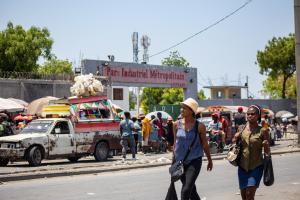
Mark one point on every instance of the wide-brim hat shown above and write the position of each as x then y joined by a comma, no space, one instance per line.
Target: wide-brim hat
191,103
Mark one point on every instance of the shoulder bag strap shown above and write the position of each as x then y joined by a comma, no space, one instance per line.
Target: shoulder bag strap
240,139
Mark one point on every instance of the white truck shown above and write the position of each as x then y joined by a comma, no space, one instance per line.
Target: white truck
52,138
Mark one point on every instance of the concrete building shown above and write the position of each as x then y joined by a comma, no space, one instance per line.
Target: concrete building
225,92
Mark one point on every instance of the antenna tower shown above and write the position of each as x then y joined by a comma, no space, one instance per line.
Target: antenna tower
135,46
145,42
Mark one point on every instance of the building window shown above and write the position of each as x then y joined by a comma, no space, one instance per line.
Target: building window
118,94
219,94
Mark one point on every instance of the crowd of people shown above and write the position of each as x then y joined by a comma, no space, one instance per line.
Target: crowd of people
143,134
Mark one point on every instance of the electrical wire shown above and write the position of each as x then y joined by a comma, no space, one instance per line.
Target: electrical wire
203,30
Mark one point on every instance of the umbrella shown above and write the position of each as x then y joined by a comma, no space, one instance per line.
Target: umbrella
266,111
19,101
295,119
22,118
164,115
117,108
10,106
287,115
235,108
36,106
282,112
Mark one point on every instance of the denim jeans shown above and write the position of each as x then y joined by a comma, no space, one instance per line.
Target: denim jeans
125,140
191,172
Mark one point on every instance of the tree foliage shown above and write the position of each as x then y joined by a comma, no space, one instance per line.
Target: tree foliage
201,95
278,60
21,49
274,90
161,96
55,66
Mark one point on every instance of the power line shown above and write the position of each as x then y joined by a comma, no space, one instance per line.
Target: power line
203,30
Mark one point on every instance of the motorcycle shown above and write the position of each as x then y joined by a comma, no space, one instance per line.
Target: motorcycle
214,139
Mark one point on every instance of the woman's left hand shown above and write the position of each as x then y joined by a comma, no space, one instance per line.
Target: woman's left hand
209,165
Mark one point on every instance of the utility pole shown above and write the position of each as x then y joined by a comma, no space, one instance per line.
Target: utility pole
297,54
135,44
247,85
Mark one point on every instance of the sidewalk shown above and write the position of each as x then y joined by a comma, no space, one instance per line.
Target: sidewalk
54,168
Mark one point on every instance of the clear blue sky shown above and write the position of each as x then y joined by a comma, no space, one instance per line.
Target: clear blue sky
97,28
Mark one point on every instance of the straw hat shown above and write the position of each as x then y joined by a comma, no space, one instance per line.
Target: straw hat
191,103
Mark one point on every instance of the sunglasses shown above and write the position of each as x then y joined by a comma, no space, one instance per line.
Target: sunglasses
251,113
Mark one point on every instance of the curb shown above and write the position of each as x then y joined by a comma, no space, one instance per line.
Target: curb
91,170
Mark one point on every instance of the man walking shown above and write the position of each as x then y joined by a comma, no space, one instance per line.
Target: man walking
126,127
239,118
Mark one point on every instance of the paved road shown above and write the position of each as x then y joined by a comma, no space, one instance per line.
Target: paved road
152,183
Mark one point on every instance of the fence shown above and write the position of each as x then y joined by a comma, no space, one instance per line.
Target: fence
36,75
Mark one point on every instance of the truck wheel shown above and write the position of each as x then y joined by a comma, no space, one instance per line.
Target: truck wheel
3,162
101,151
35,156
73,159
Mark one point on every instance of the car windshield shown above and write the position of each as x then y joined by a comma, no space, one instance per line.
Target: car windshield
37,127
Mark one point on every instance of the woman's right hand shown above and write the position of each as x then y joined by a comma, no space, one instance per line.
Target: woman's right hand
209,165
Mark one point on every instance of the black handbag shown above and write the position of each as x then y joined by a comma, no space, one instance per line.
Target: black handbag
268,171
234,152
177,170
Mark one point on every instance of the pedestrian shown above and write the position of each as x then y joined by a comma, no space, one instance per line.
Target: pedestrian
253,139
159,123
170,134
184,132
145,130
135,131
153,138
239,118
126,127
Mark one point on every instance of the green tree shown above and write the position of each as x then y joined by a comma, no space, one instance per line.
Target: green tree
278,59
21,49
54,66
161,96
201,95
274,90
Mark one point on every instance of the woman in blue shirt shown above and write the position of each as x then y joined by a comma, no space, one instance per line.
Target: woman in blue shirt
184,133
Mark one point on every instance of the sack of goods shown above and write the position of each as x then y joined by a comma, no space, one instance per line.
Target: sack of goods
233,154
86,85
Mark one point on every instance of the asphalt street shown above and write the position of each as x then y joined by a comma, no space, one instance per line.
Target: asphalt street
152,183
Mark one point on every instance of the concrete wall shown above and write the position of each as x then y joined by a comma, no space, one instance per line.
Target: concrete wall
124,104
274,105
30,90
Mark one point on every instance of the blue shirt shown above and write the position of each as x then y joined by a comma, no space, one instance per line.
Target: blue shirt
126,125
184,140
